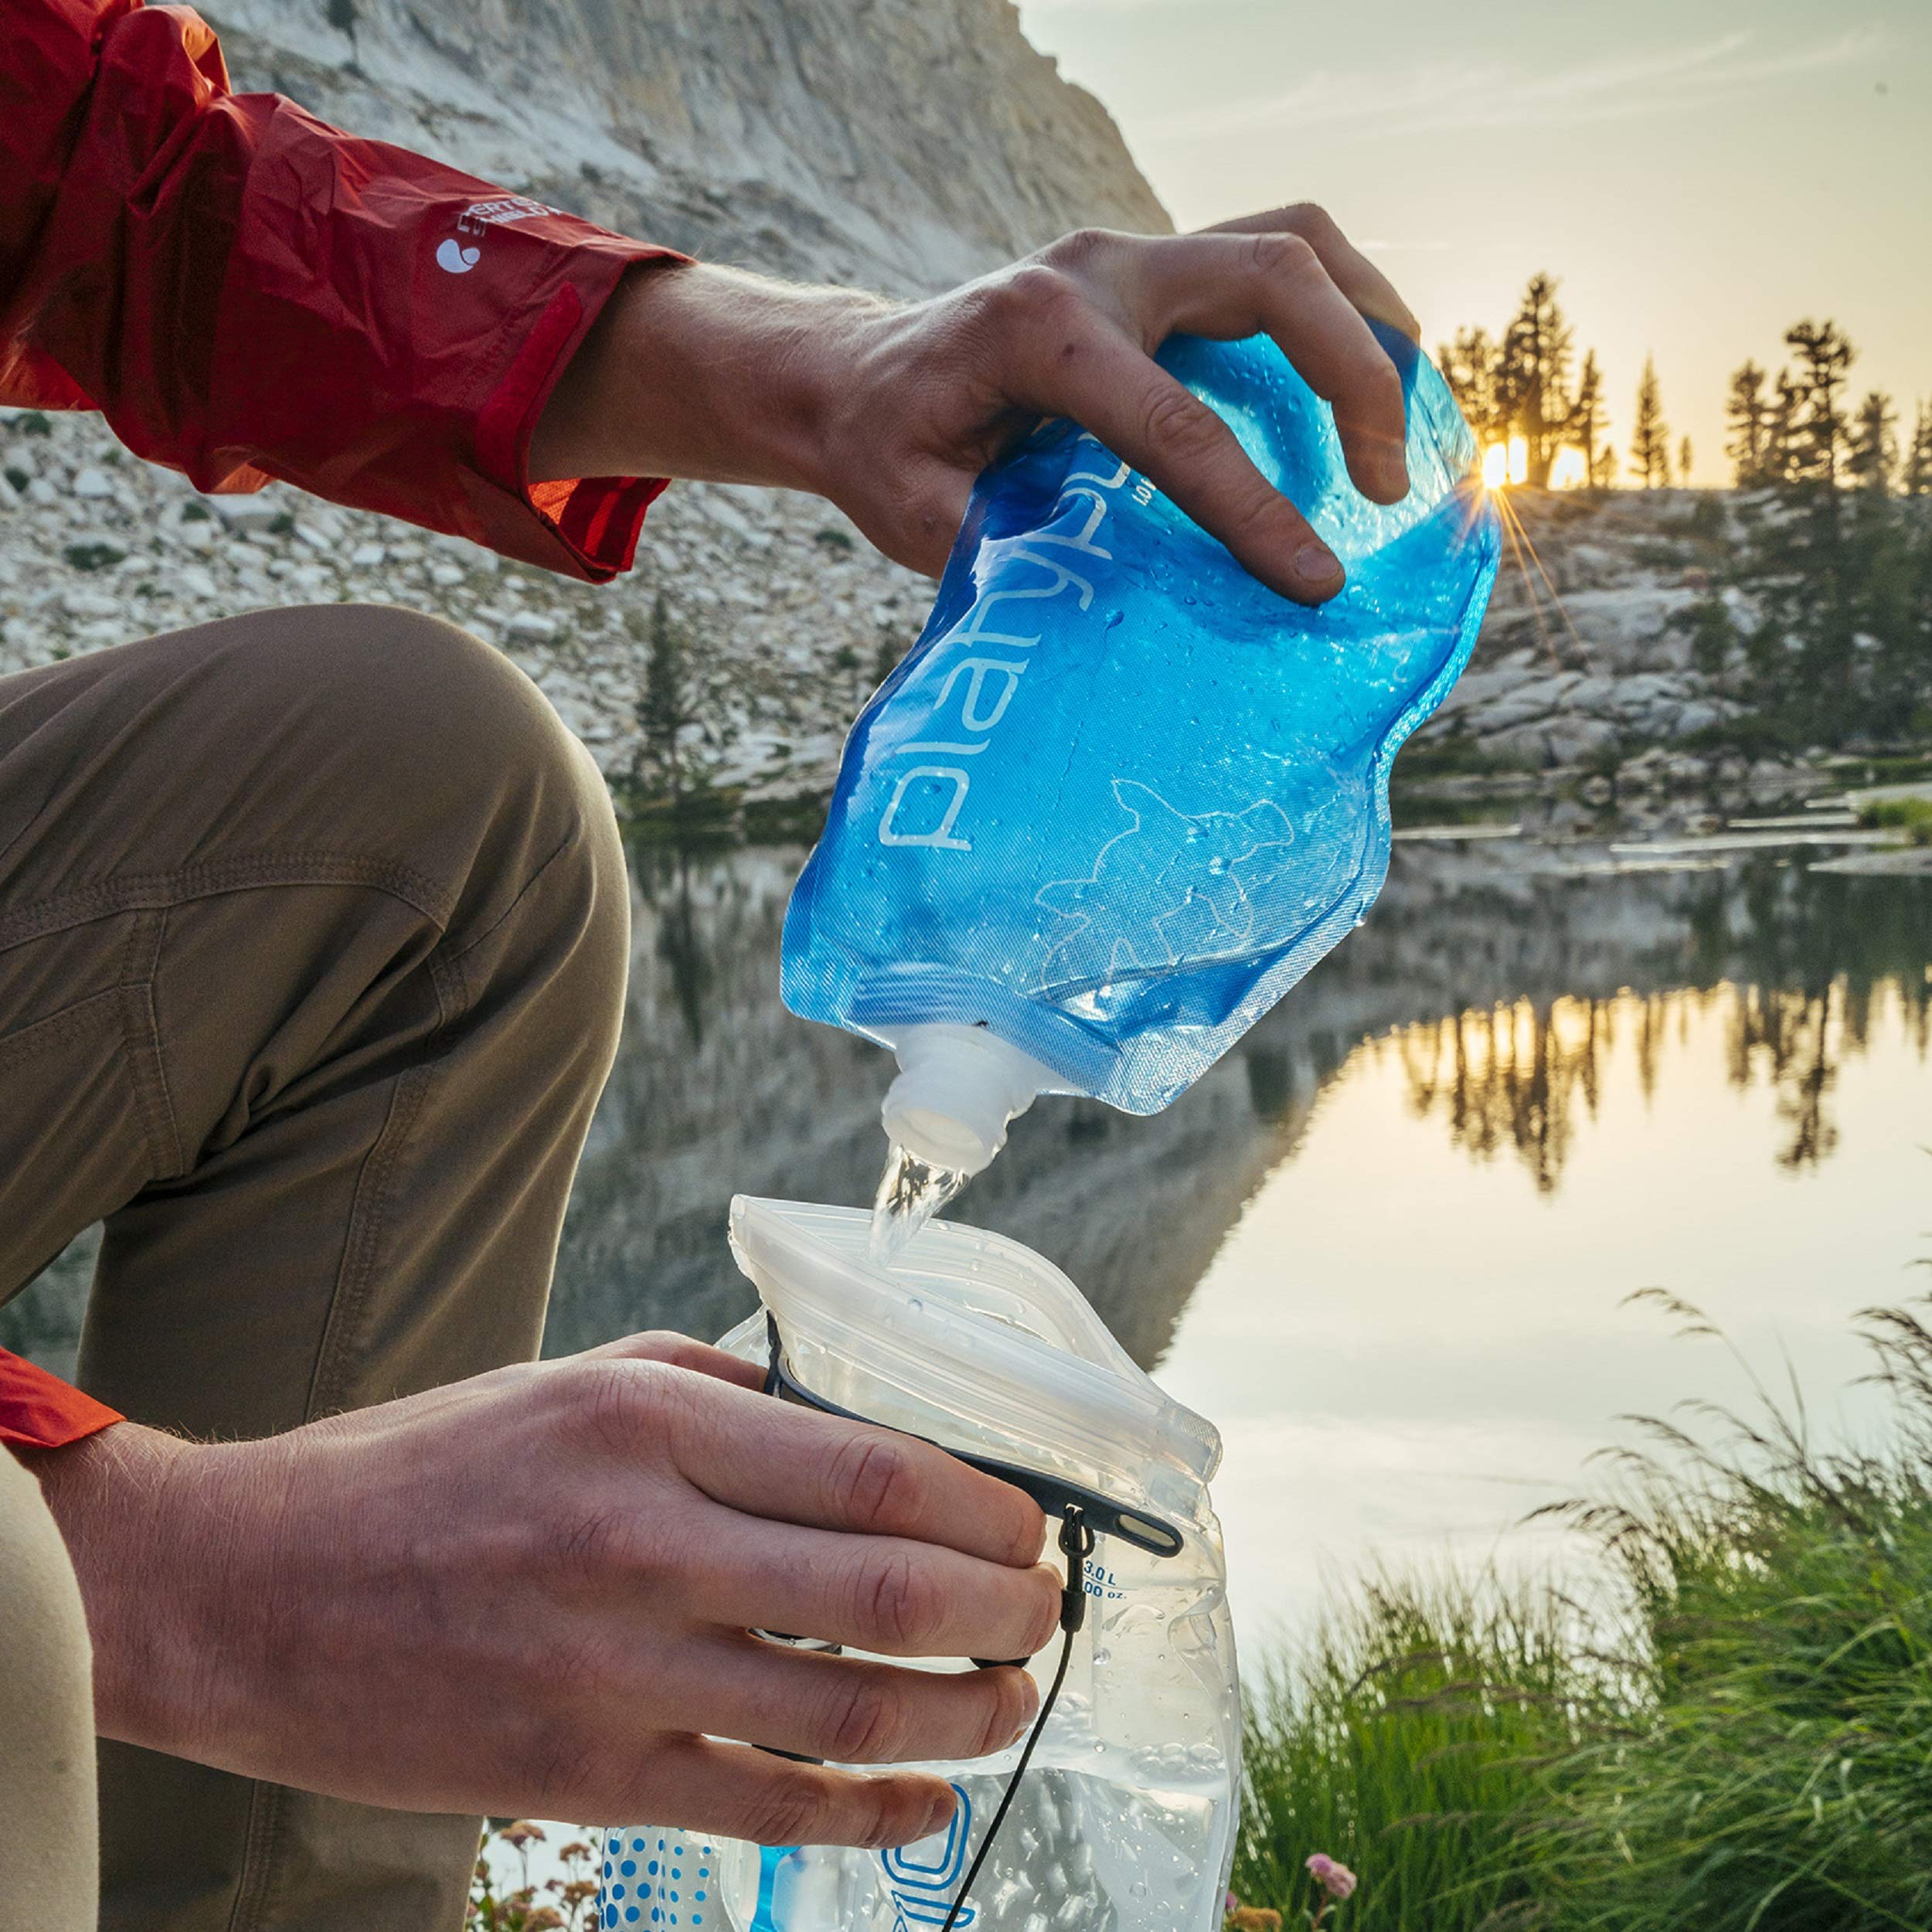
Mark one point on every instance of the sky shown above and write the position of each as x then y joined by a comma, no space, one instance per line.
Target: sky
1698,175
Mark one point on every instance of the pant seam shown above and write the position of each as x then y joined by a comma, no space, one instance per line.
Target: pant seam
368,1220
529,885
145,1052
153,891
97,1010
369,1210
258,1853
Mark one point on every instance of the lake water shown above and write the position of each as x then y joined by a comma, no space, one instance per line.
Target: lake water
1385,1244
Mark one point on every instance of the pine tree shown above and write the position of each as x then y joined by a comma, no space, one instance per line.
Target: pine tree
1532,379
1650,445
1917,480
1781,431
1874,456
1468,366
1587,426
1685,455
1748,409
1824,356
1603,474
666,706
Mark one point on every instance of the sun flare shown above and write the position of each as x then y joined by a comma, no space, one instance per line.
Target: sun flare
1503,464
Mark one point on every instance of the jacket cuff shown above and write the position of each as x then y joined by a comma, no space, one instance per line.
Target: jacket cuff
588,525
39,1411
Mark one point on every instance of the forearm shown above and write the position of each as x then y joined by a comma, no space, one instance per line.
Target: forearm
705,373
153,1574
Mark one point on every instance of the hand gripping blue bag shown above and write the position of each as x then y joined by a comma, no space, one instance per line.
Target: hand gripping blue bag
1120,797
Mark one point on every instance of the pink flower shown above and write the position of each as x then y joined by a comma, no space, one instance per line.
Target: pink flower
1334,1879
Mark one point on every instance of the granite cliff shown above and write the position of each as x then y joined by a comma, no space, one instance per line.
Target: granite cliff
890,142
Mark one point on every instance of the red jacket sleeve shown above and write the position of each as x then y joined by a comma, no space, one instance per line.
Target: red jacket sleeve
245,292
40,1411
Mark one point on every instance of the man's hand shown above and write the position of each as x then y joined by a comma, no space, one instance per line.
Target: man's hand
892,410
532,1592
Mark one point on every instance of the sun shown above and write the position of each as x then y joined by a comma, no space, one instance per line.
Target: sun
1503,464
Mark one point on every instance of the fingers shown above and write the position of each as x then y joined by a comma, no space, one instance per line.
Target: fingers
1235,285
1351,270
854,1711
680,1352
736,1792
882,1593
1107,383
775,1460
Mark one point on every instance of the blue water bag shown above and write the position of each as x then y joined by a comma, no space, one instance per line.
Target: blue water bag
1121,796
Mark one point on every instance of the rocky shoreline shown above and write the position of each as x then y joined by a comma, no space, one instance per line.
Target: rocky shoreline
1584,683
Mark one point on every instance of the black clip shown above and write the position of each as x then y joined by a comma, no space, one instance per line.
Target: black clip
1055,1494
1076,1545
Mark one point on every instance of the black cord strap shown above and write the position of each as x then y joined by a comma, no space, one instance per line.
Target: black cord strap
1076,1544
1054,1493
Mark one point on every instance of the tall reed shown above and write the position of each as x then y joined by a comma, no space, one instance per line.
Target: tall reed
1735,1737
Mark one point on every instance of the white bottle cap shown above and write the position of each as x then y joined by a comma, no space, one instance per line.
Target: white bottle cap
957,1088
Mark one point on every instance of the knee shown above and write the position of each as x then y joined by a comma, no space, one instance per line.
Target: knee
447,716
438,744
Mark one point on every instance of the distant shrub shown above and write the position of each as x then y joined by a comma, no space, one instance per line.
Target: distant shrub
1911,816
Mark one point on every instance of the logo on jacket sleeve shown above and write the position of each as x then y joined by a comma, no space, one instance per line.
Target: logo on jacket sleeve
455,258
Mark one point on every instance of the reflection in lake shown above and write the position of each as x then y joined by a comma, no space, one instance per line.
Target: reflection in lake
1383,1241
1498,977
1518,1077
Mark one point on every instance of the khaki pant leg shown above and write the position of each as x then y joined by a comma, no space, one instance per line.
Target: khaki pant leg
48,1851
345,914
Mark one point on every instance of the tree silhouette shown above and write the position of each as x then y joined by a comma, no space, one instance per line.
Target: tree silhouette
1917,478
1748,409
1875,443
1818,434
1469,364
1520,386
1781,433
1532,378
1588,425
667,705
1650,443
1684,455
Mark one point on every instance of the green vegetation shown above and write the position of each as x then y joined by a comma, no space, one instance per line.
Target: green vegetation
1407,1741
1743,1744
1911,816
